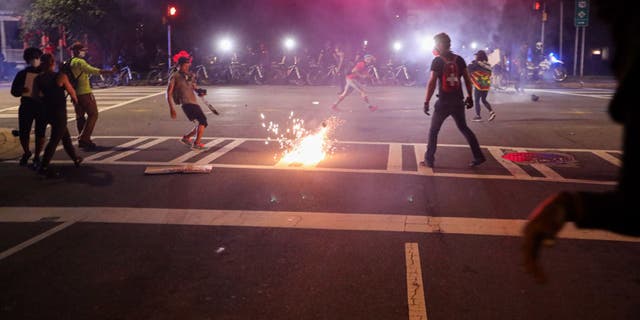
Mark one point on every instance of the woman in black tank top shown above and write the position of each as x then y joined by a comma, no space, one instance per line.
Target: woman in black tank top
52,87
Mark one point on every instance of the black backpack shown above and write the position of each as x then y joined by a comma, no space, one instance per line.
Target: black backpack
65,68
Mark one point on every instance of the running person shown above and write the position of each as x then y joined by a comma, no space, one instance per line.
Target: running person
181,90
480,73
358,72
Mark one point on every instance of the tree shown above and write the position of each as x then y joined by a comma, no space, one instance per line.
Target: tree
108,24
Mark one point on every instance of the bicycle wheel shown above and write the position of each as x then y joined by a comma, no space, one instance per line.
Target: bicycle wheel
156,78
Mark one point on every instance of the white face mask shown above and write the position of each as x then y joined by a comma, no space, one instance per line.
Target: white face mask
82,54
35,63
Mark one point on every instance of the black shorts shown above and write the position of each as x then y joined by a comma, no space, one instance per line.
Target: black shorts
194,112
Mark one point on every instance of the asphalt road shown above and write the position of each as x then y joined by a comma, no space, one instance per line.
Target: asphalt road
365,234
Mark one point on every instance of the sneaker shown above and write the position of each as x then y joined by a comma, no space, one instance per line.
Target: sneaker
477,162
77,161
428,164
373,108
477,119
492,115
25,158
187,141
49,173
35,164
198,146
87,145
334,107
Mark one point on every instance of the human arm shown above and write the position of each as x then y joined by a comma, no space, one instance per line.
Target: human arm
467,83
431,88
17,86
63,81
170,88
84,66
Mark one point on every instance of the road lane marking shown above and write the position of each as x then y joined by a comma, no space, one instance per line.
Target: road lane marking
606,95
415,288
609,158
181,159
298,220
513,168
35,239
419,150
545,170
134,150
394,159
220,152
122,104
101,154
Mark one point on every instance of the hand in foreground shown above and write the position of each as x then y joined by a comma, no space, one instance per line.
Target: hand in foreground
468,102
426,108
545,222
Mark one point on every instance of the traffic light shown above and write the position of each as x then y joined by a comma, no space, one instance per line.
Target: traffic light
537,5
172,11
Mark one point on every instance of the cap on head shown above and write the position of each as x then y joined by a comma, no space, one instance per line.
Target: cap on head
481,55
369,56
77,47
31,53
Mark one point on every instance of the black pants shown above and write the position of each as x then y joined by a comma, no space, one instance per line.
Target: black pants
456,111
59,131
479,95
29,112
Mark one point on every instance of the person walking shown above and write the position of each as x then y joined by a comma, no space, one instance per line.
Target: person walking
447,69
86,108
52,86
31,108
359,72
480,74
181,90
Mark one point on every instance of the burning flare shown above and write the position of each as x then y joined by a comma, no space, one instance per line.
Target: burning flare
302,147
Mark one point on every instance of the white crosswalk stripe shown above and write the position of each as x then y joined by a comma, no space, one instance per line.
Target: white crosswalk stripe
106,98
605,94
395,163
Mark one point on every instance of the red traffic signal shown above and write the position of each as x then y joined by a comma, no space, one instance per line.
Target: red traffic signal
172,11
537,5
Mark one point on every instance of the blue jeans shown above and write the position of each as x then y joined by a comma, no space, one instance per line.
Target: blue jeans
456,111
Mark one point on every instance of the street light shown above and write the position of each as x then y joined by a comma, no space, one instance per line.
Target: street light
397,46
225,45
289,43
172,12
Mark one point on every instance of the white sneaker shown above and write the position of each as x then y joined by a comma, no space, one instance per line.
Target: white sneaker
476,119
492,115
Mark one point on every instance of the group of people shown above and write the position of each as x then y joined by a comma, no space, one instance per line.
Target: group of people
43,100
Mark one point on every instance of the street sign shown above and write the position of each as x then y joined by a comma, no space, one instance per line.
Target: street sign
582,13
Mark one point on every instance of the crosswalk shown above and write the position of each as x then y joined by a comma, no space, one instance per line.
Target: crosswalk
604,94
107,99
599,167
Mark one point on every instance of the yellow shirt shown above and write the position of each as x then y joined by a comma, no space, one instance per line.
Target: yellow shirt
80,67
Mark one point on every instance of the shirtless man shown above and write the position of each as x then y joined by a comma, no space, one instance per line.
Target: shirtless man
181,90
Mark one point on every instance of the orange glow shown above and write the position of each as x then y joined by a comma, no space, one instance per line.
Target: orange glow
172,11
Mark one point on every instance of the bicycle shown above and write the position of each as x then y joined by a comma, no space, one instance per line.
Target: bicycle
126,77
158,75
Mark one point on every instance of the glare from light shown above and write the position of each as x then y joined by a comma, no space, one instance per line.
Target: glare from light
289,43
426,44
365,42
397,46
596,52
225,44
474,45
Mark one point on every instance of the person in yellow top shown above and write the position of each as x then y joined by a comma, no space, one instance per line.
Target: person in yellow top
86,101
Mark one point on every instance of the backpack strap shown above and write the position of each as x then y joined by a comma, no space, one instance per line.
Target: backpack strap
75,79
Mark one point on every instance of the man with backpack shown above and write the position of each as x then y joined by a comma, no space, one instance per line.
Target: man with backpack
80,71
446,70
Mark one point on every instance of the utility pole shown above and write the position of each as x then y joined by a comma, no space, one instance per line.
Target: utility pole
171,15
